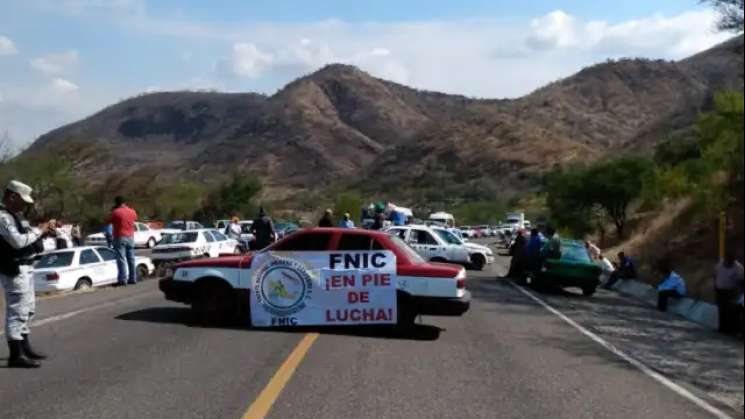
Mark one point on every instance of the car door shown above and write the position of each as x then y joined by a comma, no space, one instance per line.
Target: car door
425,244
226,245
109,261
139,235
92,266
213,246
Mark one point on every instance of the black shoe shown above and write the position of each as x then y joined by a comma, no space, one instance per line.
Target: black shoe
30,352
17,358
131,283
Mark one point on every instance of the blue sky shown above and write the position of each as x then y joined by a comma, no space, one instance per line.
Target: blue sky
61,60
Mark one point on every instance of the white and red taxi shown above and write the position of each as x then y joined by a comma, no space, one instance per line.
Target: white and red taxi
219,289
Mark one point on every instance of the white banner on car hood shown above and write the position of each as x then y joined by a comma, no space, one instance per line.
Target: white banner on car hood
323,288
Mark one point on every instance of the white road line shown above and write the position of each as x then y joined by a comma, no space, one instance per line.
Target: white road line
717,413
65,316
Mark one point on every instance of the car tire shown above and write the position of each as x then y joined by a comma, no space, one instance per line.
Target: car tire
83,284
151,243
213,305
589,291
478,262
142,272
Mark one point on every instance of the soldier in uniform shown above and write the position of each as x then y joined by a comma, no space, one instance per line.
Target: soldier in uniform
18,245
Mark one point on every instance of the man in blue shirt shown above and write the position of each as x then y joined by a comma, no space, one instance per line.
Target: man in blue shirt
346,222
673,286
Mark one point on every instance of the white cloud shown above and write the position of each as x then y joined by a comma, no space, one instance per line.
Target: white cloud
62,86
7,47
654,36
246,61
54,64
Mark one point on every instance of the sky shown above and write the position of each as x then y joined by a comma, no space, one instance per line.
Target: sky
63,60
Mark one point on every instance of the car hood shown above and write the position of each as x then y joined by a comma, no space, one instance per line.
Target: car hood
96,236
474,246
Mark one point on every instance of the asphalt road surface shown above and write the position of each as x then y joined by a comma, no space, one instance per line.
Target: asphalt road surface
127,353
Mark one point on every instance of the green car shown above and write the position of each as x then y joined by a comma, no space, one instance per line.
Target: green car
573,269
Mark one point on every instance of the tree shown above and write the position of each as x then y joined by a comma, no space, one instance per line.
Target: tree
581,198
731,14
349,202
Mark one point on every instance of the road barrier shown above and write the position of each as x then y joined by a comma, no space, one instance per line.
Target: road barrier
696,311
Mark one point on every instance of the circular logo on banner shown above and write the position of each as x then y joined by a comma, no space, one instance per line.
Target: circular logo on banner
283,286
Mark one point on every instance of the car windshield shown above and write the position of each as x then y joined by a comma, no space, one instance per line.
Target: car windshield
449,237
55,260
574,253
411,253
176,225
179,238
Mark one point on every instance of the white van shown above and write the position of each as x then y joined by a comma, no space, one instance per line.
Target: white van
443,218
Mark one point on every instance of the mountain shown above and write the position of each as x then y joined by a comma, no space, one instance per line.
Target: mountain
341,128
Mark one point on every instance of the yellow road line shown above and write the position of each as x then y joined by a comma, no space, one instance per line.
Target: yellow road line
261,406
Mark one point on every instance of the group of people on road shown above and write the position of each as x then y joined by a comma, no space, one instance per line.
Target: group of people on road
328,221
262,229
529,253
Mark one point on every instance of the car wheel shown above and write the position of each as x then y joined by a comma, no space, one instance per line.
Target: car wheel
589,291
83,284
151,243
478,262
142,272
213,305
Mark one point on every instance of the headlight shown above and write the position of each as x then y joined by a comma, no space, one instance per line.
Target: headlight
489,252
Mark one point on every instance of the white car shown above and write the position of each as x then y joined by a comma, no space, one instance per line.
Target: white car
180,225
468,232
435,246
82,268
145,236
479,255
193,244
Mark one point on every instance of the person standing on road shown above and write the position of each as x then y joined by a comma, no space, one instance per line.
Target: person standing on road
234,230
346,221
77,235
18,245
728,284
552,248
533,251
673,286
518,253
626,270
326,220
263,231
123,223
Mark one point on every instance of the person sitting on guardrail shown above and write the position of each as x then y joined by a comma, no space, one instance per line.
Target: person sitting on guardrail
673,286
626,269
728,284
593,250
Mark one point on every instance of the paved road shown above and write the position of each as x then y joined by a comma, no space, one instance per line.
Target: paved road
126,353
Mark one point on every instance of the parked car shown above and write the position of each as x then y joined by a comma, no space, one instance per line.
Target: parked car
436,247
181,225
145,236
468,232
573,269
285,229
81,268
220,288
193,244
479,255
